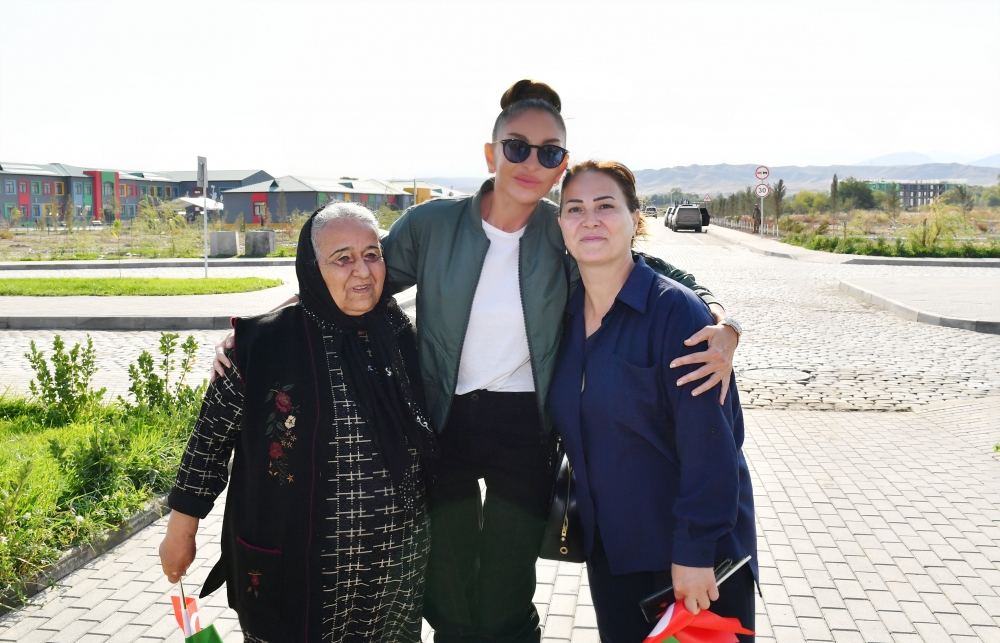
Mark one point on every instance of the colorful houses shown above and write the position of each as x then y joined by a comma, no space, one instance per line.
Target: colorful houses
53,193
277,199
56,193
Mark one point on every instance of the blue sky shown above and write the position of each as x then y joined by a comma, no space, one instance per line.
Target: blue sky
403,89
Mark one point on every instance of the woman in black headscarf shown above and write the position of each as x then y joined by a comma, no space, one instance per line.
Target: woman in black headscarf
325,533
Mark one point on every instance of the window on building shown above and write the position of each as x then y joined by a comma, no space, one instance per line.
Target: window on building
87,189
259,209
36,187
47,187
60,189
109,189
9,187
36,211
22,187
123,190
142,190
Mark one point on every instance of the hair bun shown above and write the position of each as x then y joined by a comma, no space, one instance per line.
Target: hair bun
527,88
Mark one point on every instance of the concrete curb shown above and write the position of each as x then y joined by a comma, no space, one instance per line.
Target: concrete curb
913,314
27,322
153,263
923,261
77,557
133,322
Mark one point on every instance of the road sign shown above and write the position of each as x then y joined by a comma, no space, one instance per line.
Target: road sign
708,198
762,172
762,190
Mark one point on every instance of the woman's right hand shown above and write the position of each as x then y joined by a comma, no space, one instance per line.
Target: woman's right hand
178,547
222,362
694,586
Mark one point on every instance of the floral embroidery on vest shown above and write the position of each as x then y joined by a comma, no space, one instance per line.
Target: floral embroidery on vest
254,586
279,430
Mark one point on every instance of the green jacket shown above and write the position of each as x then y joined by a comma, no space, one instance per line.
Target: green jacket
440,246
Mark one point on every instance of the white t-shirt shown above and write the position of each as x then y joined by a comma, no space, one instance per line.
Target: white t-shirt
495,352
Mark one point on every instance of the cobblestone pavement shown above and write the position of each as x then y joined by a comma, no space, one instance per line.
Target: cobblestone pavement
807,345
872,526
877,527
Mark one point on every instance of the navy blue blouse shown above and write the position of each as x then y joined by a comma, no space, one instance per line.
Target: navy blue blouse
659,473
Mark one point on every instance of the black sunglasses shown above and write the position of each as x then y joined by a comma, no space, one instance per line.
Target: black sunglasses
518,151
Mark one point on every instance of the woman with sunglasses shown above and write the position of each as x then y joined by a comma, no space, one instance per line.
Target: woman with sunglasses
493,279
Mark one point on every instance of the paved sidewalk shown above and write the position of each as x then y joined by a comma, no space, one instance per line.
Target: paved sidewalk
872,527
968,301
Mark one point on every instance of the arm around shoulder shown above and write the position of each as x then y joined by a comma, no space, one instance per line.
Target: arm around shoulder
401,250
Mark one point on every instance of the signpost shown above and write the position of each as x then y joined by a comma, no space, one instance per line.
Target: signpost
202,185
762,190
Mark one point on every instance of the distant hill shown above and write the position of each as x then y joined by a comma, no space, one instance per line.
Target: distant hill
725,178
988,161
713,179
900,158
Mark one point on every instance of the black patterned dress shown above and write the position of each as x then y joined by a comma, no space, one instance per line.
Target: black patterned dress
374,538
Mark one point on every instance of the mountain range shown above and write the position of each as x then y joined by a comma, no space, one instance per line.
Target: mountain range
725,178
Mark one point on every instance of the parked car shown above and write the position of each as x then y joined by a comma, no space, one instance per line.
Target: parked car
687,217
668,216
650,211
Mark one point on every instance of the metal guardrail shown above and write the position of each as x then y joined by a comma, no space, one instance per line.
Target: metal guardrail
745,224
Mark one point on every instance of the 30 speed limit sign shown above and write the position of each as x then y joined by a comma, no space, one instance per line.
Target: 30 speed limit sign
762,190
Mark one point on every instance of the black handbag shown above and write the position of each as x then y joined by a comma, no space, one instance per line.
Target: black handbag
563,539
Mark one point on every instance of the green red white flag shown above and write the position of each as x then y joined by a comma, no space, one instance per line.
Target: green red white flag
678,625
186,613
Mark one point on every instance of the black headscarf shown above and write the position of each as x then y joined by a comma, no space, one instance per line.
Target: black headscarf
379,385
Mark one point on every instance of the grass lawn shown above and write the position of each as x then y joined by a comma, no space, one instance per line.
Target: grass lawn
118,286
67,485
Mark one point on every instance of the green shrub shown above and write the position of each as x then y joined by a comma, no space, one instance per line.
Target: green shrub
64,388
154,390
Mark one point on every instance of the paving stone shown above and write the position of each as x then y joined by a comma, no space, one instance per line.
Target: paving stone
872,523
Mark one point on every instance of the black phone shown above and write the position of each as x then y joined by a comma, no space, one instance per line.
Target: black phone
656,603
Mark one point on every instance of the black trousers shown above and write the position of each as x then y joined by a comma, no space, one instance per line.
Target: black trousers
481,572
616,599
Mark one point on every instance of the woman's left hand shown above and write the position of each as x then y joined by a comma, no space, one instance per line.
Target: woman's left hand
717,360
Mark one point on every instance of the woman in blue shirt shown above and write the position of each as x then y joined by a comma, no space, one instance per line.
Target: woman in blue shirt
662,488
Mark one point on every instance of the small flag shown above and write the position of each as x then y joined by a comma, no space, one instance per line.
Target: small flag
186,613
678,625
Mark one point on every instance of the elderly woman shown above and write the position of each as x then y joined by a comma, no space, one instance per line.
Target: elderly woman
325,534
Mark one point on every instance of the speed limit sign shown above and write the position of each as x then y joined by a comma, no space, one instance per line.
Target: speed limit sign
762,172
762,190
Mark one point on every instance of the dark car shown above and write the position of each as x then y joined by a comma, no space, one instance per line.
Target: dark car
687,217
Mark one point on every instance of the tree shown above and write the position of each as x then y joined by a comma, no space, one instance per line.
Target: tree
963,197
834,194
855,194
778,197
892,200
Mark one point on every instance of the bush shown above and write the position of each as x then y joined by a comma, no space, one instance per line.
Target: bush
153,390
64,389
68,484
